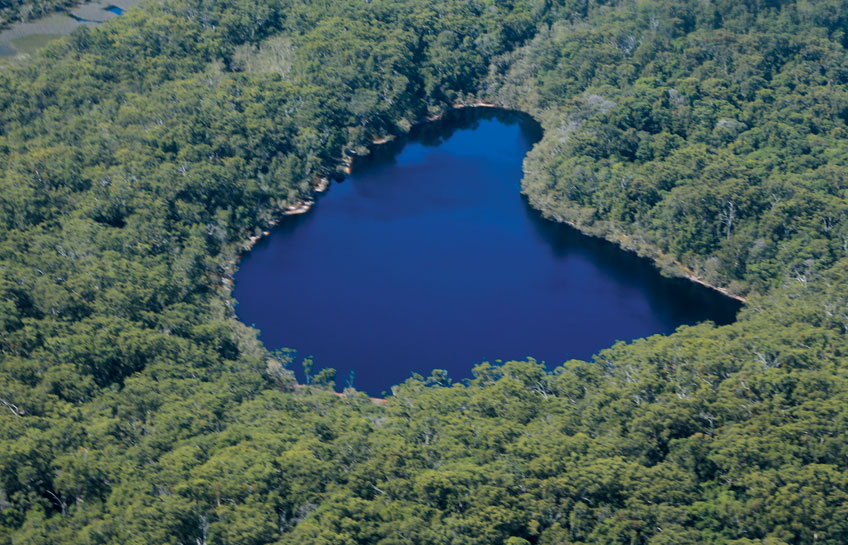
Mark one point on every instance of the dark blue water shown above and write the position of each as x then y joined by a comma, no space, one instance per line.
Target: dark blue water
115,9
429,257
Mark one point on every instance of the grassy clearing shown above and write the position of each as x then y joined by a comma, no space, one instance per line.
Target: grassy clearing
30,44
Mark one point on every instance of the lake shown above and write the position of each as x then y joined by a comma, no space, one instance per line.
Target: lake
427,256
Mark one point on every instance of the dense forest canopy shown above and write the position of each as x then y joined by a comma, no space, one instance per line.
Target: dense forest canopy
137,156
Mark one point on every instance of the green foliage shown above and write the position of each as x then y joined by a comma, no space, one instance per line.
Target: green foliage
137,156
716,137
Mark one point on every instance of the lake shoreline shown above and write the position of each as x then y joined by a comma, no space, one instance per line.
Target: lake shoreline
321,185
346,164
657,260
448,194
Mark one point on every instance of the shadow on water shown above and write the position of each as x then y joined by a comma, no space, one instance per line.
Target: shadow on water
427,256
433,134
693,301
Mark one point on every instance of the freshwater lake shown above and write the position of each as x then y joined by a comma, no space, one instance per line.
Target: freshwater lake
428,256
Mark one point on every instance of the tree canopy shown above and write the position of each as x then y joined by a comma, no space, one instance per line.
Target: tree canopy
138,156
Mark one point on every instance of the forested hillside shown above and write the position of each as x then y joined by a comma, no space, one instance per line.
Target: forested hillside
138,156
710,133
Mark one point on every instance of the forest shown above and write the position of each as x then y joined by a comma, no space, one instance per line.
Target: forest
137,157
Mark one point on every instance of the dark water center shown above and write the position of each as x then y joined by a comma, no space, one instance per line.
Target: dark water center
427,256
